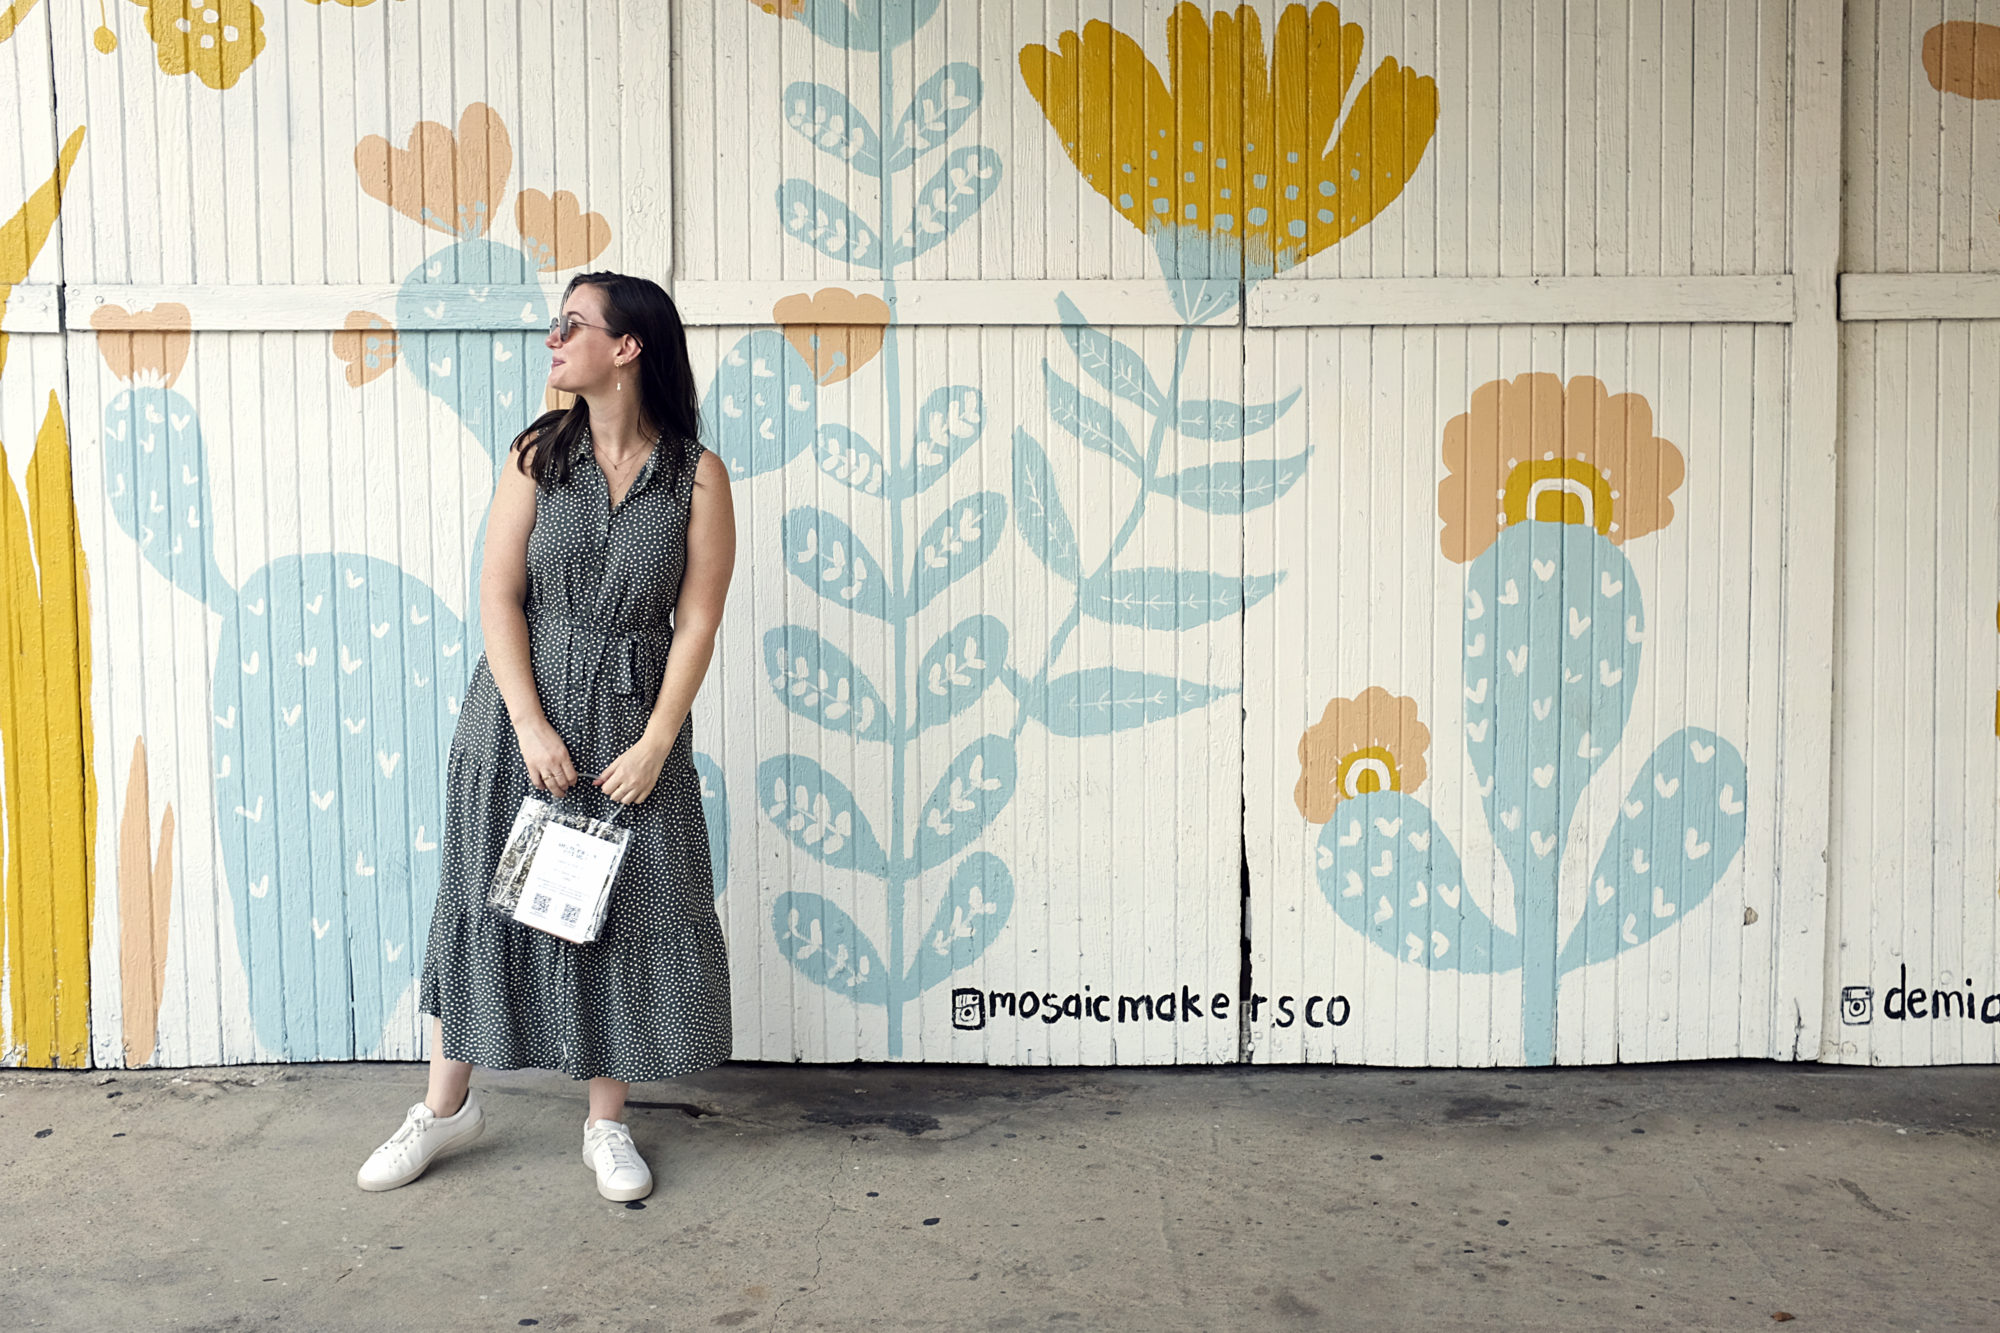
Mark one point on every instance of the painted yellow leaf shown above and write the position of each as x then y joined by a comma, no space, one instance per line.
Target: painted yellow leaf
45,730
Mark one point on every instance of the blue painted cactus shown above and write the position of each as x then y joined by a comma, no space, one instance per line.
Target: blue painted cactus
1554,635
338,677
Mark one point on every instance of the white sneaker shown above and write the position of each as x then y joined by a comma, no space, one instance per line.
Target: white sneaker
621,1173
424,1137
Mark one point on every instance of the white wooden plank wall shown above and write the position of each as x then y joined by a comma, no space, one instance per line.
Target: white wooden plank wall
1634,196
1913,972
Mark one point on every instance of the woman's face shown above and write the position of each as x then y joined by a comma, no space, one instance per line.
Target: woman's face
589,362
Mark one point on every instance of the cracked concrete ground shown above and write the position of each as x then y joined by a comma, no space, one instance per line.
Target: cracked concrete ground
872,1197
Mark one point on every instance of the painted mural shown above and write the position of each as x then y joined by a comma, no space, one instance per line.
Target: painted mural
1231,209
338,676
995,574
1545,481
47,895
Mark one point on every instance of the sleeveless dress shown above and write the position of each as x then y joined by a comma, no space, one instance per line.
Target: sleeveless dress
649,998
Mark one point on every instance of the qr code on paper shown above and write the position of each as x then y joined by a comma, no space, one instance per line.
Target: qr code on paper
541,903
569,914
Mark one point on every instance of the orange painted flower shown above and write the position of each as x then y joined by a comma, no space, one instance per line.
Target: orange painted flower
1231,144
1372,742
1964,58
214,40
367,344
557,233
835,331
1534,449
784,9
145,346
449,182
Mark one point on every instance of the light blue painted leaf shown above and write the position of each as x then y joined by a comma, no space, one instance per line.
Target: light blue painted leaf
1038,509
715,814
1218,419
1234,487
823,553
948,200
156,478
761,406
1554,627
1103,700
1393,875
818,681
950,422
956,543
1090,421
829,226
973,790
830,121
958,668
818,813
1111,363
1170,598
1679,829
941,106
824,943
849,459
867,25
974,912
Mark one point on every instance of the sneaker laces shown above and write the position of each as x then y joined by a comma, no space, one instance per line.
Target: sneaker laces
618,1143
413,1123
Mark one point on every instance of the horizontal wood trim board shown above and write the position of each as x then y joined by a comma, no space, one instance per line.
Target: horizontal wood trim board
31,308
1907,296
1274,303
292,309
1310,302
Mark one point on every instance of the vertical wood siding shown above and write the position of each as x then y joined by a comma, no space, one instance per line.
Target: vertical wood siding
1114,394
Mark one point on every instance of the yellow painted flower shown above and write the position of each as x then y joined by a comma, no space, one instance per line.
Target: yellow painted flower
367,344
1227,155
1372,742
146,346
1534,449
835,331
215,40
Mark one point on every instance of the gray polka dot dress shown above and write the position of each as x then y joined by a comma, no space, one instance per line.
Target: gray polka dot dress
649,998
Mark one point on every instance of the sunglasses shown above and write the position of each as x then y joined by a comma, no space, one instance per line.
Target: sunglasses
563,327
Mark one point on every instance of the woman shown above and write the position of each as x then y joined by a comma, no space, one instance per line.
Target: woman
608,556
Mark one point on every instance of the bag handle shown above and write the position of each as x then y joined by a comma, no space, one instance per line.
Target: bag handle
618,807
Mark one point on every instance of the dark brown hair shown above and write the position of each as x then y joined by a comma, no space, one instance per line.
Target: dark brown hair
668,399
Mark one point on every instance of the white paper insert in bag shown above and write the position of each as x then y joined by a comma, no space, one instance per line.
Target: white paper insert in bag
568,881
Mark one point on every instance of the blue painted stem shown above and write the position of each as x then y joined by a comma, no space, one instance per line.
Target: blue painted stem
893,448
1126,530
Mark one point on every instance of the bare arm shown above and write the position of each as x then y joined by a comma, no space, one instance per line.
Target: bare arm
503,595
711,559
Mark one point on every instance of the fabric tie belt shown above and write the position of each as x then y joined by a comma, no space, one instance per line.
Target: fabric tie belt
635,654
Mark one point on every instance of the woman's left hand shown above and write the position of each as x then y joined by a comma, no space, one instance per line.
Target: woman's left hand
629,779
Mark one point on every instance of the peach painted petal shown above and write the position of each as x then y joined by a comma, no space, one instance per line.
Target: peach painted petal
557,233
1537,418
835,331
1964,58
367,344
148,346
1374,719
449,182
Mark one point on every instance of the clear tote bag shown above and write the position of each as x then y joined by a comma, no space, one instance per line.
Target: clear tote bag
558,868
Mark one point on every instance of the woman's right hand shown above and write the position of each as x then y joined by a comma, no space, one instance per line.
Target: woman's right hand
549,765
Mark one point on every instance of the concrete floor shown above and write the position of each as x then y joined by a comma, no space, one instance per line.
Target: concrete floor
898,1197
